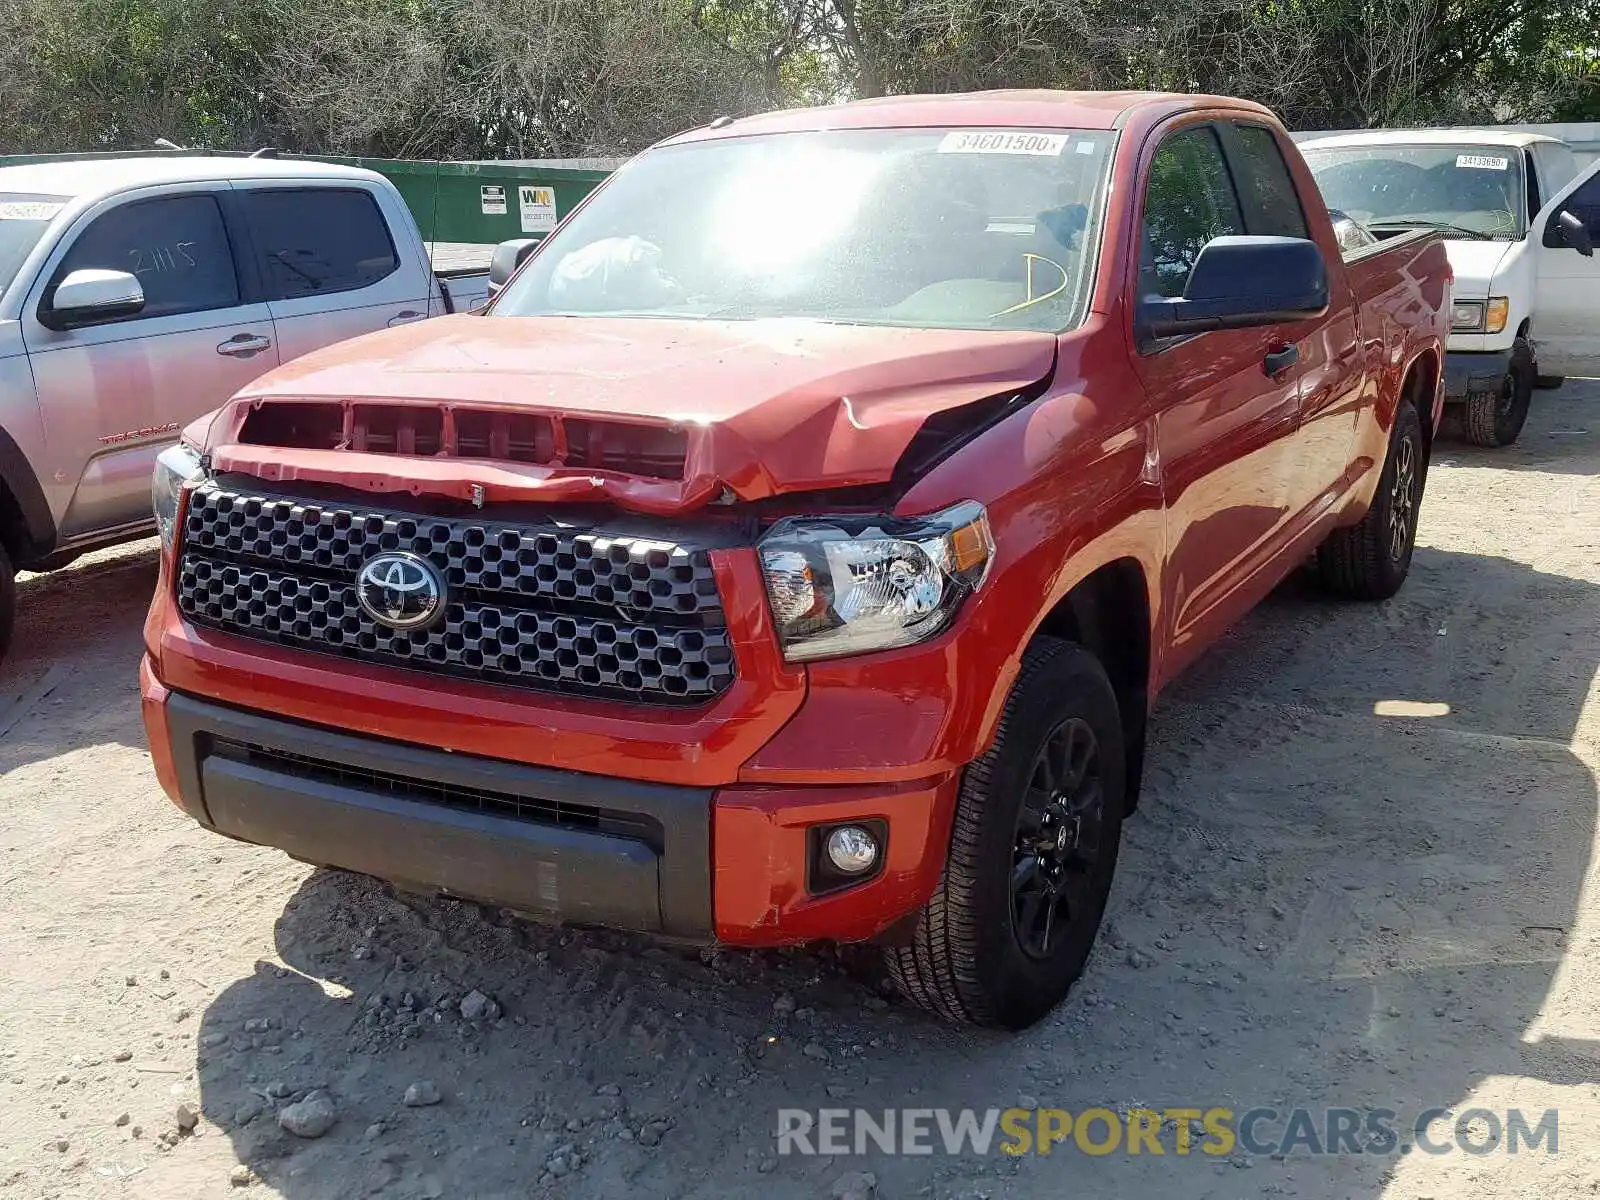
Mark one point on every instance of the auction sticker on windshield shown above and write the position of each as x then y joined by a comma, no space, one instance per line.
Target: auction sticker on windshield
27,210
1484,162
981,141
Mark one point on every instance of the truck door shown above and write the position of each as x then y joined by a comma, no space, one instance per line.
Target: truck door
1566,302
1327,349
113,394
1226,402
329,263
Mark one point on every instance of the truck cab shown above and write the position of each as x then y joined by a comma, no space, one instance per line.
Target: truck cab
1520,217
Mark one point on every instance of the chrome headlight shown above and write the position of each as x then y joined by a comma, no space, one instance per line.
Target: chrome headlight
1466,316
1480,316
846,586
177,467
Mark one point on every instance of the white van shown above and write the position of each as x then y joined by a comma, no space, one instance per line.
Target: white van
1523,221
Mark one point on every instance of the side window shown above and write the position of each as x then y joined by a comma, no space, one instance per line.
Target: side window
1276,210
1583,204
318,241
1188,201
1531,166
177,246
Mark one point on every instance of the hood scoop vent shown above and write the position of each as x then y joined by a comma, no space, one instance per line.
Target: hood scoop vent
448,431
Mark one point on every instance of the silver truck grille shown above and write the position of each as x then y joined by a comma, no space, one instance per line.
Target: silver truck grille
530,605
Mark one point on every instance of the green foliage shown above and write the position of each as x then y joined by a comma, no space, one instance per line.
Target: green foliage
531,78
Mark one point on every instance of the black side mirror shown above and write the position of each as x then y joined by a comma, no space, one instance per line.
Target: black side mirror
508,256
1572,232
1240,282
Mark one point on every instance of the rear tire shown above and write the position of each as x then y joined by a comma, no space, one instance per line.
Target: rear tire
8,602
1497,420
1032,851
1370,561
1548,383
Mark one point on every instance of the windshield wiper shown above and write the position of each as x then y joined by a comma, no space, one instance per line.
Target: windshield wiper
1411,222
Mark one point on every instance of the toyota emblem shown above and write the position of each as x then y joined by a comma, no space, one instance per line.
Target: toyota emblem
401,591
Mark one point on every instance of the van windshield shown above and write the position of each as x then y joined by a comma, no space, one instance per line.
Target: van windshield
23,220
1473,191
931,228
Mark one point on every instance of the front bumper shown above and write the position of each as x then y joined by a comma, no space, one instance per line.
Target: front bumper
688,863
1469,374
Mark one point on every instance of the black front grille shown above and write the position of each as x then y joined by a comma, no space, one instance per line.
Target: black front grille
447,795
577,611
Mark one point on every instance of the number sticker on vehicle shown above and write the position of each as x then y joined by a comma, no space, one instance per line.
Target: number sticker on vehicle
1484,162
27,210
989,141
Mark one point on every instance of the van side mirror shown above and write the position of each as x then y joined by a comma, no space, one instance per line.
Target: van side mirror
1569,230
508,256
90,295
1239,282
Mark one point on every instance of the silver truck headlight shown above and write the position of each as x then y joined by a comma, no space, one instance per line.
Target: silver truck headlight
177,467
850,585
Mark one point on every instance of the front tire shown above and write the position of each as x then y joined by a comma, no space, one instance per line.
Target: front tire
1497,420
1370,561
1032,851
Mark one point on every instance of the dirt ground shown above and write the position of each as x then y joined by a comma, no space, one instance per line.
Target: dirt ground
1331,897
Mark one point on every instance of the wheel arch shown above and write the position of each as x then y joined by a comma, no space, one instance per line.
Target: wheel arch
1109,613
27,530
1420,385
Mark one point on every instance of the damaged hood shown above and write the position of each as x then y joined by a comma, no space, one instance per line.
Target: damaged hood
760,408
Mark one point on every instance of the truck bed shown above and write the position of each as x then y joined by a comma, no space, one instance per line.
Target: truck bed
459,258
1402,281
463,271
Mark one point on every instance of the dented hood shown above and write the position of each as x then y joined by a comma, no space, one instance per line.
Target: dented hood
766,407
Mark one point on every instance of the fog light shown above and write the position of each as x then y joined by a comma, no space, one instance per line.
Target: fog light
852,850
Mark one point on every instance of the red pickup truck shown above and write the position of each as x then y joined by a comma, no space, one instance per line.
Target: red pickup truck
795,547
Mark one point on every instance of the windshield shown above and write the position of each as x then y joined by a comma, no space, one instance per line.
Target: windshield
23,220
930,228
1477,190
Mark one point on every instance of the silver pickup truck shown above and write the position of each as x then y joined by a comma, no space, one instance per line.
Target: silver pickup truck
138,294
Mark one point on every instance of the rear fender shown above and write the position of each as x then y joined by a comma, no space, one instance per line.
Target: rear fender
1422,381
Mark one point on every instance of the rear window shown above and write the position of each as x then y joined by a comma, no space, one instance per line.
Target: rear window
1277,204
318,241
23,219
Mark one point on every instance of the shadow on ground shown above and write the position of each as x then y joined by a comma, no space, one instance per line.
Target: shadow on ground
1319,904
1558,439
76,649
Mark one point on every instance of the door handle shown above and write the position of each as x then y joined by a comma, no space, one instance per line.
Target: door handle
243,345
1280,360
405,317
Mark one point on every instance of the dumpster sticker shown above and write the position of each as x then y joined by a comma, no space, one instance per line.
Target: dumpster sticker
538,205
494,199
1484,162
987,141
27,210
